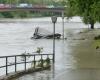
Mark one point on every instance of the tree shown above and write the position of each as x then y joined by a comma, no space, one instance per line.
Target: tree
89,10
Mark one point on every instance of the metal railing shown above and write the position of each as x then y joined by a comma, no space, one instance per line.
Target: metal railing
25,61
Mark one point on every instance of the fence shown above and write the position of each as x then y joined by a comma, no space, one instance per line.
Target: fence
34,59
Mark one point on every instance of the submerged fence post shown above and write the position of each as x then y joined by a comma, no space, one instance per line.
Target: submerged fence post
41,61
25,62
15,64
34,62
6,65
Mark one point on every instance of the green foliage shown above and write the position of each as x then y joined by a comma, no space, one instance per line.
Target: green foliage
96,43
1,16
7,14
40,63
47,61
43,63
36,63
88,9
25,14
39,50
97,37
24,55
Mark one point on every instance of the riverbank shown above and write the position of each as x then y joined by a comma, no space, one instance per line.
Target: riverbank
78,61
84,52
12,76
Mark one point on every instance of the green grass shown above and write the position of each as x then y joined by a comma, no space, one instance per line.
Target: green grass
96,43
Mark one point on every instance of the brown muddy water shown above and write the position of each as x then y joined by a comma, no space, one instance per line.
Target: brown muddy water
81,62
76,57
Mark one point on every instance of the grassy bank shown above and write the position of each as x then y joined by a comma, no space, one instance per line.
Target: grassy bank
96,43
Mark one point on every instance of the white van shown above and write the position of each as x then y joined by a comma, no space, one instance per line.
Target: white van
23,5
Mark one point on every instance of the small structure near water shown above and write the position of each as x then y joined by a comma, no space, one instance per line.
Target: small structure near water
42,33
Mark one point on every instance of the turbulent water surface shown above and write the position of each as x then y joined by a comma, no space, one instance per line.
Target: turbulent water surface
73,60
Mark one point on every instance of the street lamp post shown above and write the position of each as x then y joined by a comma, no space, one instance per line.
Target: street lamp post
63,24
54,20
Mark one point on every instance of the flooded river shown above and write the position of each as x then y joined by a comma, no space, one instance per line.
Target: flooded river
76,59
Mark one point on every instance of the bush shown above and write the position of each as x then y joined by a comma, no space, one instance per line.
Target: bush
97,37
7,14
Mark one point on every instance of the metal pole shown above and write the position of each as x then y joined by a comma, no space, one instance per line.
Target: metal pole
34,62
63,23
6,65
54,42
41,61
15,63
54,19
25,62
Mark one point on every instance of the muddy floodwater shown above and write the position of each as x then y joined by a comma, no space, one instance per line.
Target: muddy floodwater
76,57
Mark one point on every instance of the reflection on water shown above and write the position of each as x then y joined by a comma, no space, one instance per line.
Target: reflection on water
75,58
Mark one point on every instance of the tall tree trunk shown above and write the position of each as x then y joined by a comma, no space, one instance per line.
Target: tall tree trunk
92,25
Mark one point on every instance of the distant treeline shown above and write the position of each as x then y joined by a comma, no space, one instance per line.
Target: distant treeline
24,14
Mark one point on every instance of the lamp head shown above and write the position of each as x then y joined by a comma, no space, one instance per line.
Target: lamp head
54,19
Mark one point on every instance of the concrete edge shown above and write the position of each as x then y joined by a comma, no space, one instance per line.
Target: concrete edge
22,73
